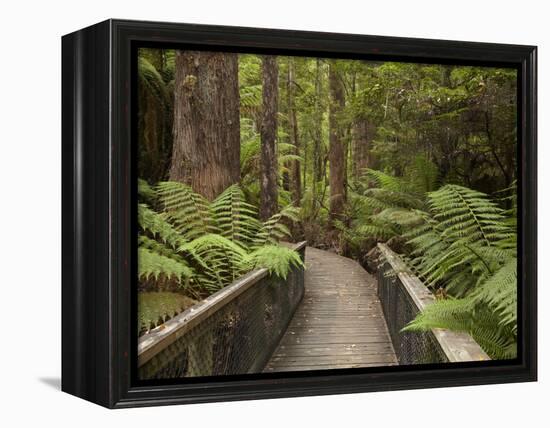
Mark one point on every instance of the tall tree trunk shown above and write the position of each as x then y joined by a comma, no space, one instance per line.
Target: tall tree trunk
295,176
337,149
362,136
206,150
268,134
318,155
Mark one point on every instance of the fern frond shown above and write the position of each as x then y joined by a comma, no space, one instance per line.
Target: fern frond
145,191
158,227
235,218
395,198
276,259
383,180
152,80
158,307
499,292
273,229
154,265
466,316
185,209
467,214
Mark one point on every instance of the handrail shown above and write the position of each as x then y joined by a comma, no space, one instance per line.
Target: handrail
456,346
161,337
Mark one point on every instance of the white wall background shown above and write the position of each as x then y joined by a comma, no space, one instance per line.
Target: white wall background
30,169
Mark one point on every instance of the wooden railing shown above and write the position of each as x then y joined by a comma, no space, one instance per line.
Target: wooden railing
233,331
403,296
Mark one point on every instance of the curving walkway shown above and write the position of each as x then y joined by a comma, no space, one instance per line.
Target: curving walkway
339,323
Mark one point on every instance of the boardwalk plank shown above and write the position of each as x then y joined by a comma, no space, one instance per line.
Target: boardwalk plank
339,323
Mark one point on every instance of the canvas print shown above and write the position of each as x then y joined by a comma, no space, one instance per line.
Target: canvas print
310,214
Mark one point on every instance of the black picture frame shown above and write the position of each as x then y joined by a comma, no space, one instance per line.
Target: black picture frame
98,192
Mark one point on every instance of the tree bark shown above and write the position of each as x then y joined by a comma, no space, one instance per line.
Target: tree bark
206,150
318,155
268,135
337,149
362,135
295,176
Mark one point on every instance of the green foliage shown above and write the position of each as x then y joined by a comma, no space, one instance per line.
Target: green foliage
456,239
250,157
158,307
145,191
382,206
153,265
158,227
235,218
188,211
276,259
435,133
154,116
423,174
151,79
464,229
475,318
463,246
274,228
202,246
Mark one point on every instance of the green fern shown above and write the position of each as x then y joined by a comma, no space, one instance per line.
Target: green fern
154,265
467,214
489,314
457,244
276,259
145,191
382,207
234,217
188,211
274,228
150,78
205,246
466,245
467,315
158,307
158,227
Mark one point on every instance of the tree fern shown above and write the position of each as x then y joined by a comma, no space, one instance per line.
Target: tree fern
145,191
489,313
158,227
158,307
187,210
205,246
154,265
466,315
459,246
456,245
466,214
234,217
276,259
274,228
382,206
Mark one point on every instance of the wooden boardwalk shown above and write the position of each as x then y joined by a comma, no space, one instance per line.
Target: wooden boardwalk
339,323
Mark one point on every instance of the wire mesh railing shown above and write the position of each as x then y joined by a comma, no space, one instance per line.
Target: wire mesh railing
234,331
403,296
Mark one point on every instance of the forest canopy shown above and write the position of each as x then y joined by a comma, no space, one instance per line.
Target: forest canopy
243,150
